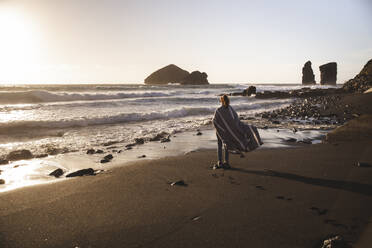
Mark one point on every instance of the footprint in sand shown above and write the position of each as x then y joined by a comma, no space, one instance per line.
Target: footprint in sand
319,211
280,197
260,187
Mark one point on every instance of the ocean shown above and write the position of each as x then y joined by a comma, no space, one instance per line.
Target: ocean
65,121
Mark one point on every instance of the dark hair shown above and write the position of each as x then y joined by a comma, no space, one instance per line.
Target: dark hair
225,100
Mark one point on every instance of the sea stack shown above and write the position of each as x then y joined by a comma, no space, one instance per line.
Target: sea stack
308,74
328,73
174,74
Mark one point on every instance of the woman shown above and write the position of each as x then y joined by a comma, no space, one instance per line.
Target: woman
232,134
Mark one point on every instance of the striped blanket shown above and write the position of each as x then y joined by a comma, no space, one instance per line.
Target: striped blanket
236,135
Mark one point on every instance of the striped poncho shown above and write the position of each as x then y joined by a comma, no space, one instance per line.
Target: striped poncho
236,135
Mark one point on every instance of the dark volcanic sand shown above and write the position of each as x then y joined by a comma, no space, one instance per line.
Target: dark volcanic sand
271,198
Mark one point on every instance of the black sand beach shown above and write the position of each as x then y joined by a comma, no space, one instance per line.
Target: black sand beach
293,197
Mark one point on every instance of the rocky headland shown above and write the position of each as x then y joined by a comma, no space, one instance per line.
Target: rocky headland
174,74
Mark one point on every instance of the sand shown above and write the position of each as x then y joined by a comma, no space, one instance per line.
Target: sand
284,197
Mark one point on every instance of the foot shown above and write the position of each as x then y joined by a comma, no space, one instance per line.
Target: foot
217,166
226,166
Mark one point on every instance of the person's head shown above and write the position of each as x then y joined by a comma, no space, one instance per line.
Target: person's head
225,101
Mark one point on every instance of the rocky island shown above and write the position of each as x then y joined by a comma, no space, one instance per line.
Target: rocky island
174,74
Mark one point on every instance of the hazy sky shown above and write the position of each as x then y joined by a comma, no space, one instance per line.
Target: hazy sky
97,41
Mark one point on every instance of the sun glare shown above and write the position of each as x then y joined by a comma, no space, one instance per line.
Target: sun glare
18,43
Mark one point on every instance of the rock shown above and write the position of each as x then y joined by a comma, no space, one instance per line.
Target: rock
139,141
174,74
291,140
308,74
43,155
363,164
251,90
19,155
199,133
3,161
335,242
164,140
142,156
91,151
328,73
361,82
107,158
159,136
57,173
195,78
178,183
275,122
83,172
99,151
2,181
167,74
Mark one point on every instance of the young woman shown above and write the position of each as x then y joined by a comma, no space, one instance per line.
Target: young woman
232,134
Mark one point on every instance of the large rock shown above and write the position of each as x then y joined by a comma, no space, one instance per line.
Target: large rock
362,81
83,172
196,77
308,74
251,90
174,74
328,73
19,155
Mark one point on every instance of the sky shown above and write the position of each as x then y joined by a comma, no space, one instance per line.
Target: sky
113,41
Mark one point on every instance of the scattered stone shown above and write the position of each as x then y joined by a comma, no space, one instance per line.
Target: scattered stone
83,172
178,183
91,151
108,157
99,151
159,136
142,156
3,161
164,140
43,155
305,141
2,181
57,173
109,143
363,164
19,155
335,242
139,141
103,161
199,133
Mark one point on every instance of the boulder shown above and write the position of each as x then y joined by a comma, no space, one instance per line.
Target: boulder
308,74
3,161
19,155
168,74
83,172
174,74
2,181
196,77
361,82
56,173
328,73
251,90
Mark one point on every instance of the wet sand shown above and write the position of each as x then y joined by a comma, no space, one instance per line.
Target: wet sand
284,197
271,198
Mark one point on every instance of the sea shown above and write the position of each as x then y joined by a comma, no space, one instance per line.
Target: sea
64,121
